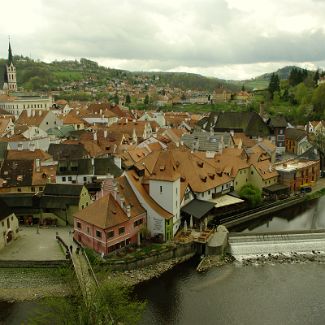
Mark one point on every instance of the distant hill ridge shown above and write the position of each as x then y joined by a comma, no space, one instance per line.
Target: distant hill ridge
37,75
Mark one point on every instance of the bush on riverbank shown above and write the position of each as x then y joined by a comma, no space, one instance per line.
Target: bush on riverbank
252,194
315,195
111,302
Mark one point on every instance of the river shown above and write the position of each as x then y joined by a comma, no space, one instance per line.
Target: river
234,294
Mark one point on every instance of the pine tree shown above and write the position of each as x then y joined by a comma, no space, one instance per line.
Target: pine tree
274,84
316,78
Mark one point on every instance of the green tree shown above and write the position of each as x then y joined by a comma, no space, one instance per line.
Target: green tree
116,99
274,84
318,101
111,301
297,76
127,99
243,88
146,100
252,194
316,78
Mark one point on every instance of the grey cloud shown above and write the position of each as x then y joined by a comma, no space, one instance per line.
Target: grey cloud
165,35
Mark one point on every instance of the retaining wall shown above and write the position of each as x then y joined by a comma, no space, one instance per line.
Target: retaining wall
179,251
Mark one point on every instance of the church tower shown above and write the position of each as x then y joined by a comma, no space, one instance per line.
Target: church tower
10,82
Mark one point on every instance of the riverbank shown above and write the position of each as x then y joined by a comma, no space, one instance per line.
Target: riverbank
27,284
136,276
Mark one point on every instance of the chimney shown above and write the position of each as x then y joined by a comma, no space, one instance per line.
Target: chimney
39,112
29,112
37,165
101,112
33,112
95,136
122,202
105,134
261,109
128,211
32,146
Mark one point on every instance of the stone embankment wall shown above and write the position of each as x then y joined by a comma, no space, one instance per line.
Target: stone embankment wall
154,258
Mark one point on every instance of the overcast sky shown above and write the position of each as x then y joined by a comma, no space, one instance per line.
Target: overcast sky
230,39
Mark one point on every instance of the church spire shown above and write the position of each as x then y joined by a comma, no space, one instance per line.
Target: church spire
10,58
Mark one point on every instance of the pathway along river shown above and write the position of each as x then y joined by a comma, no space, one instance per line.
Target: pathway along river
233,294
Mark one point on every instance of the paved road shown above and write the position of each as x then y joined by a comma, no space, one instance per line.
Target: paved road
36,245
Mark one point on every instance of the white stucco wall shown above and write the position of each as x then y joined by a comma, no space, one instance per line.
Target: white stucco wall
14,225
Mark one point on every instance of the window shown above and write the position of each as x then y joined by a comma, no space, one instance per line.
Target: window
252,172
18,189
85,178
160,189
64,179
88,230
70,178
78,225
121,230
33,189
110,234
98,234
40,188
3,224
137,222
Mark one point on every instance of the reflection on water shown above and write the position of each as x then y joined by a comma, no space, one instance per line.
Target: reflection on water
280,294
309,215
17,313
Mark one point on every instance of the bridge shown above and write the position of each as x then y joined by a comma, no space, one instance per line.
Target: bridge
305,241
85,274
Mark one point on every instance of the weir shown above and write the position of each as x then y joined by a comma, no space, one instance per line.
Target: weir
306,241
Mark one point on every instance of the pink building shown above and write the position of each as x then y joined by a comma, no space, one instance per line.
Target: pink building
112,221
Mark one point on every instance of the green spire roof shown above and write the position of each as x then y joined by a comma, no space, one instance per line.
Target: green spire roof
10,58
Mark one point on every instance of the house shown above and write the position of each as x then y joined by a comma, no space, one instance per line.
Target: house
296,141
67,151
6,126
25,176
42,119
15,105
86,170
27,137
278,125
111,222
315,127
74,119
64,200
158,117
164,181
249,123
9,225
29,155
207,141
296,172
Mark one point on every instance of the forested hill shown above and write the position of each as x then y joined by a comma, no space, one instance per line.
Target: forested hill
36,75
262,81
